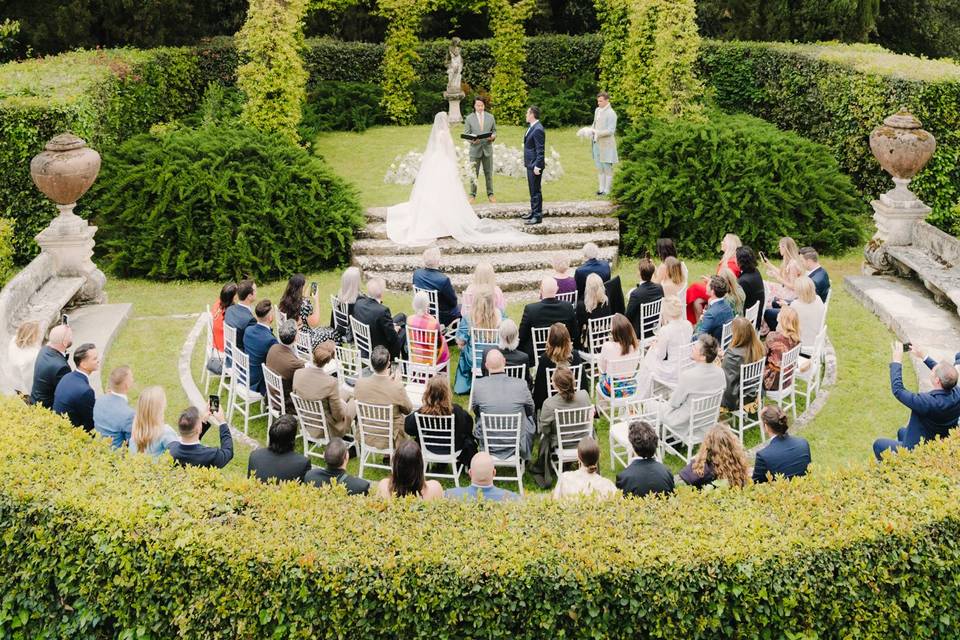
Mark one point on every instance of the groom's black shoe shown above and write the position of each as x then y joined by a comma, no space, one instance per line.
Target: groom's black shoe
527,215
533,220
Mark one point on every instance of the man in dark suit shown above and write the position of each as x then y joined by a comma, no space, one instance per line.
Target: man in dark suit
591,264
534,159
785,456
821,281
188,451
544,314
644,475
259,338
74,397
932,414
240,315
278,461
643,293
431,278
718,311
336,455
51,366
283,360
384,330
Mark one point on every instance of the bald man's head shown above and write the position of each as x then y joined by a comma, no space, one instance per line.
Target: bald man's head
495,361
548,288
482,470
61,337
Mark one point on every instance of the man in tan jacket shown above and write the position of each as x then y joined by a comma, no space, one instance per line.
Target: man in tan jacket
384,389
282,359
313,383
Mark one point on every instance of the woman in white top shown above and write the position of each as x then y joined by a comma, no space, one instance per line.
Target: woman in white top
810,309
483,276
587,479
670,275
661,359
150,434
787,273
619,358
22,356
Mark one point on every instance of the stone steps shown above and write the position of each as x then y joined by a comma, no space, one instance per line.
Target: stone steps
595,208
549,226
940,278
571,242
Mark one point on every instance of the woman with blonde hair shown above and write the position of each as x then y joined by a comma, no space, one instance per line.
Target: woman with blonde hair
559,352
720,459
666,249
586,480
438,401
151,435
661,358
349,291
593,306
811,312
778,342
745,347
483,315
22,356
566,282
787,273
697,292
674,279
483,276
735,295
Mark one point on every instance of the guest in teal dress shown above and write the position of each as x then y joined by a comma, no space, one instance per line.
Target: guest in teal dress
484,314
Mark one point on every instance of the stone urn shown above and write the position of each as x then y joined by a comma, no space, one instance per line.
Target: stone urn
63,172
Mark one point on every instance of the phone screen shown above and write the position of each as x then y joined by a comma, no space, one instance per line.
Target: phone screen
64,319
313,288
214,403
906,347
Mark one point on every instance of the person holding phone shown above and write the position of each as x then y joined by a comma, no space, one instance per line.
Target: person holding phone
188,452
304,310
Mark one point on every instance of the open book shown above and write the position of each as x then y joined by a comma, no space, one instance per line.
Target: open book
476,136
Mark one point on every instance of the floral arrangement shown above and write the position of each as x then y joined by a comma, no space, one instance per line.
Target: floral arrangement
507,161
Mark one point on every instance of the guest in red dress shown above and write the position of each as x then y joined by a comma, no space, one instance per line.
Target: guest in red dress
697,292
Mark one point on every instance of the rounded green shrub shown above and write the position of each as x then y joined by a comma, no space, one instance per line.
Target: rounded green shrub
221,201
696,182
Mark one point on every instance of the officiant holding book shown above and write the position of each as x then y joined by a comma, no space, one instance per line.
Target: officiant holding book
480,129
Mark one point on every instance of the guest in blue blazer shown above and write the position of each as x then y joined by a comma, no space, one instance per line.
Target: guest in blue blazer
591,264
112,413
821,281
718,311
74,396
240,315
933,413
785,455
259,338
431,278
51,366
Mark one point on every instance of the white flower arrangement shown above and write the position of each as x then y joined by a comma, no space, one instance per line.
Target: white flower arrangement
507,161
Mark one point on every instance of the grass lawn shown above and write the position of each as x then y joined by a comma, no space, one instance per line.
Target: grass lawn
859,408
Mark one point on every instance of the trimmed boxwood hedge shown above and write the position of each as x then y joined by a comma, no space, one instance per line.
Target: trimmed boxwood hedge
99,544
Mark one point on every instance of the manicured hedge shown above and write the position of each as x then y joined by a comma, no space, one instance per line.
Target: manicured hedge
101,544
836,95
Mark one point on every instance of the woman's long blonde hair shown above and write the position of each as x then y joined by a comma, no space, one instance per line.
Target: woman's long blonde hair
148,422
788,323
725,454
484,275
806,291
483,312
674,270
733,287
731,242
28,334
594,294
790,252
745,335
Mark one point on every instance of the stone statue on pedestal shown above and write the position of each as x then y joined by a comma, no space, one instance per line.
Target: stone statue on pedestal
454,93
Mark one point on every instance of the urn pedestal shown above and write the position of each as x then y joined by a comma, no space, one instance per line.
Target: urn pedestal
453,113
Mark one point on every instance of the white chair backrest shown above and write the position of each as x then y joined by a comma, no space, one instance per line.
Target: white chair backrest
788,367
820,343
361,334
434,304
516,371
415,373
348,364
229,339
650,317
577,372
422,345
208,346
313,422
570,296
624,382
436,435
274,382
727,335
479,340
281,317
573,425
751,379
304,346
539,342
375,421
826,302
341,313
753,313
501,434
704,412
598,332
685,358
241,369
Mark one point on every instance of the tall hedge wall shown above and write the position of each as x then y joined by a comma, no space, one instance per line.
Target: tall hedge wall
101,544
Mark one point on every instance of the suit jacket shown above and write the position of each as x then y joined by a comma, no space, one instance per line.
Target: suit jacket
786,456
593,265
49,369
615,295
384,390
267,465
435,280
257,342
75,398
544,314
319,477
473,492
700,380
642,294
284,362
714,317
113,418
932,414
534,145
644,476
605,129
382,332
821,282
733,359
240,318
499,393
311,383
752,285
472,125
199,455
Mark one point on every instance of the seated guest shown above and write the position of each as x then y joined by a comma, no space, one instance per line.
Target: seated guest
778,342
566,397
566,282
188,451
283,360
508,343
718,311
278,461
720,460
586,480
482,472
51,366
313,383
785,276
559,353
811,312
112,415
662,358
672,274
431,278
784,455
336,455
74,397
384,389
348,294
21,359
933,413
811,262
735,295
259,338
483,276
702,379
745,348
407,475
644,475
438,401
150,433
618,359
591,306
497,393
642,294
591,264
483,314
544,313
751,282
421,319
385,330
697,292
218,312
240,315
305,311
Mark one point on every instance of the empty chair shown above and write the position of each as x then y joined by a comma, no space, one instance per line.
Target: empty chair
808,368
375,432
436,436
681,441
303,346
501,439
572,426
349,366
242,397
313,425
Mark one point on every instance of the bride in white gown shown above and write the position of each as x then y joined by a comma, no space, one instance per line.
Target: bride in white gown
438,205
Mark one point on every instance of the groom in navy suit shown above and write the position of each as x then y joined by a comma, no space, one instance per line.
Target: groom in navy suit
534,143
